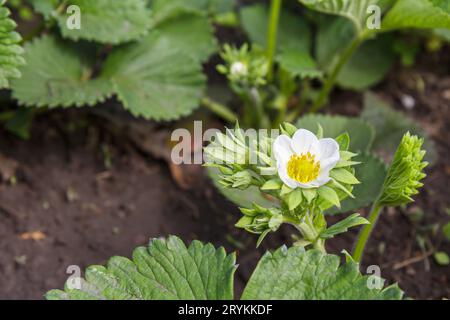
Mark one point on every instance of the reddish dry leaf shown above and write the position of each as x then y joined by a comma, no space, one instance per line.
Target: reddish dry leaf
33,235
185,176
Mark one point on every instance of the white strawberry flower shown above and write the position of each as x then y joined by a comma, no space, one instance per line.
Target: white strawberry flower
304,161
239,69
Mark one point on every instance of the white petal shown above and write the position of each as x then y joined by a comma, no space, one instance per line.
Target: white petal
308,185
282,173
305,141
322,179
282,149
328,154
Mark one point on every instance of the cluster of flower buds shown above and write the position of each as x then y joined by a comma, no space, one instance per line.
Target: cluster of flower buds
243,158
240,179
405,173
260,220
244,67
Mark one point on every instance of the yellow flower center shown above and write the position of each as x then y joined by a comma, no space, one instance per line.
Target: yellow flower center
303,168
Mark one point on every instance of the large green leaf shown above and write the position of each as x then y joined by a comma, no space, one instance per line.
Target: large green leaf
399,13
443,4
10,50
108,21
354,10
45,7
294,38
390,126
360,132
58,73
299,64
371,173
369,65
417,14
166,269
199,42
242,198
293,32
168,9
156,78
296,274
333,36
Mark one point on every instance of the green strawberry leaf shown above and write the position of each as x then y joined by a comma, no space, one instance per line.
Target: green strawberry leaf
369,65
390,126
355,11
296,274
334,35
10,50
294,39
423,14
108,21
199,42
57,74
343,226
156,78
299,64
164,9
45,7
164,270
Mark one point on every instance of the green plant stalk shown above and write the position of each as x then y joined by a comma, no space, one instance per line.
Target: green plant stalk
281,116
331,81
254,108
307,230
366,231
320,245
220,110
275,10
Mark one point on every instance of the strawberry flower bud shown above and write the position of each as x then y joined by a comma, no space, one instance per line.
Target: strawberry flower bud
405,173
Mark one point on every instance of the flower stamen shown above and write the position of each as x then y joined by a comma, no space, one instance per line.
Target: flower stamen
303,168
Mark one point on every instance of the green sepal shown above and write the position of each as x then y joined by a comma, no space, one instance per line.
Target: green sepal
344,141
289,128
295,198
309,194
344,176
274,184
329,195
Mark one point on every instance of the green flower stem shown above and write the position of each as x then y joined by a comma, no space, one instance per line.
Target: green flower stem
282,112
320,245
220,110
256,113
366,232
272,35
307,230
331,81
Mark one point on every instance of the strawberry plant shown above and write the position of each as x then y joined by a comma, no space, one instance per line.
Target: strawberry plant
305,174
160,60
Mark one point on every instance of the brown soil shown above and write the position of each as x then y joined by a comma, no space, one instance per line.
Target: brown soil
84,193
